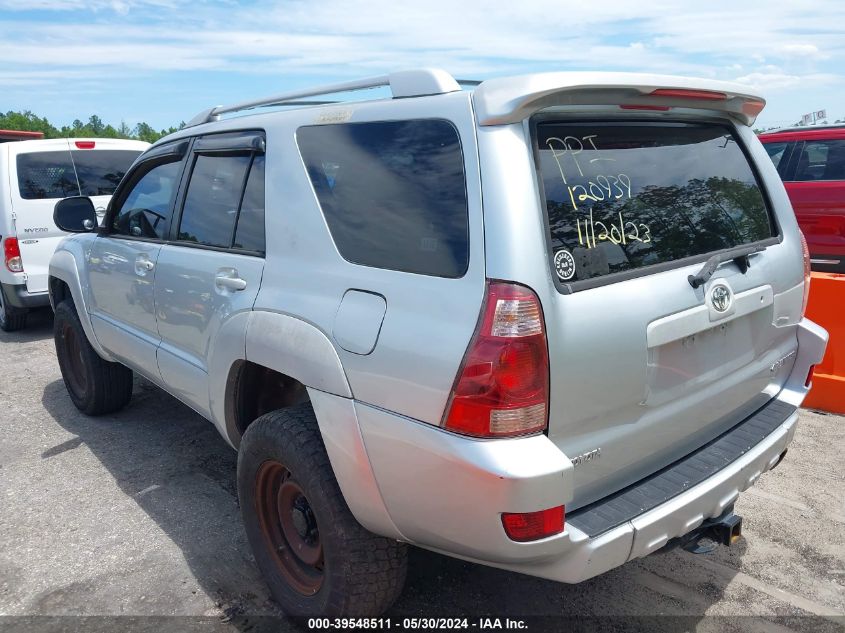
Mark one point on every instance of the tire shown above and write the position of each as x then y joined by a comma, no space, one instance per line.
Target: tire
320,562
95,386
11,318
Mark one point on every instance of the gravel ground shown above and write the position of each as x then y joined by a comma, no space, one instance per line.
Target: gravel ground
136,514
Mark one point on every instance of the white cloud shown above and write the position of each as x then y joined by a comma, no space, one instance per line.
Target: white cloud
778,81
807,51
777,47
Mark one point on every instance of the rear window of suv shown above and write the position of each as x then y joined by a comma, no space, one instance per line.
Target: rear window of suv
624,196
59,174
393,193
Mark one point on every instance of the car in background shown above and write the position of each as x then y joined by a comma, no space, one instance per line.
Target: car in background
811,162
33,176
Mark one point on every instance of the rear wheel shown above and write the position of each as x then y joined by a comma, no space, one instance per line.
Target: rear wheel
95,386
11,318
316,558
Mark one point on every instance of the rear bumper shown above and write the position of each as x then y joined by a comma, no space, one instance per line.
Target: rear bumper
19,297
446,492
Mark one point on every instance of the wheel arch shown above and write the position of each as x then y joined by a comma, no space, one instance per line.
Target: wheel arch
295,362
64,281
277,351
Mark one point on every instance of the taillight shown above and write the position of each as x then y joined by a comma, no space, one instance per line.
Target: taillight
680,93
810,373
85,144
502,388
531,526
806,251
12,254
634,106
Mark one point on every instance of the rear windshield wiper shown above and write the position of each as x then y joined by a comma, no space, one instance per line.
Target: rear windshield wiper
740,256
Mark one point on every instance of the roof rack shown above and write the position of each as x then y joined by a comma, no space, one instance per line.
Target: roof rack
406,83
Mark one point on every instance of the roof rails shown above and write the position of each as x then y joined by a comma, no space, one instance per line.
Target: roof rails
406,83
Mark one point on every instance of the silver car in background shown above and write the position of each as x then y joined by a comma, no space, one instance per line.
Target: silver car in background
550,323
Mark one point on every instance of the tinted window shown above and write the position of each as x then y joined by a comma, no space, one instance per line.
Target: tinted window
776,152
100,171
146,210
46,175
211,204
249,234
623,196
393,193
821,160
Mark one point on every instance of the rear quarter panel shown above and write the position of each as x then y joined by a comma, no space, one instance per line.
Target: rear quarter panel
428,320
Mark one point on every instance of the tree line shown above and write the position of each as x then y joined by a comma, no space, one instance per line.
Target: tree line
95,127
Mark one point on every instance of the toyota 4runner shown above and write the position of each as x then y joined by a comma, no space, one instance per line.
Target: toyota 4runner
550,323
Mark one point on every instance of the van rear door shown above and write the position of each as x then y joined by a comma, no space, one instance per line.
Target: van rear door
43,172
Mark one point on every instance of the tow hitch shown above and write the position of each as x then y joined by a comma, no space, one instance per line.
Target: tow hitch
723,530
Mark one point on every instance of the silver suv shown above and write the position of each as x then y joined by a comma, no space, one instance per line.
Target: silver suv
550,323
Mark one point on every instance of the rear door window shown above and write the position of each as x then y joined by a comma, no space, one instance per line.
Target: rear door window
249,233
100,171
211,204
821,160
43,175
393,193
224,203
621,197
59,174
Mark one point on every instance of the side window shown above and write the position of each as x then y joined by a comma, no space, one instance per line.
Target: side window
821,160
211,203
249,234
778,153
146,209
393,193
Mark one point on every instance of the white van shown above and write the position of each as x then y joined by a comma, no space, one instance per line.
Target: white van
33,176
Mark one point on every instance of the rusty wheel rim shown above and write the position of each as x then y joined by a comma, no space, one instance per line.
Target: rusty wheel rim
76,377
289,528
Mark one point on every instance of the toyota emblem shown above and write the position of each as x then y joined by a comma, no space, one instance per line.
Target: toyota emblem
720,298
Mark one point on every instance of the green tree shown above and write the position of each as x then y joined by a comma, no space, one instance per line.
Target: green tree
96,125
27,121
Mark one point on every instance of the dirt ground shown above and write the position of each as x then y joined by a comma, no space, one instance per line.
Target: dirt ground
136,514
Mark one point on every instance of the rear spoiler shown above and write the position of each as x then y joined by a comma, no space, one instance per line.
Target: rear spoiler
512,99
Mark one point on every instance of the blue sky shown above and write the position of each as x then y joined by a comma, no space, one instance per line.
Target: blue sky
161,61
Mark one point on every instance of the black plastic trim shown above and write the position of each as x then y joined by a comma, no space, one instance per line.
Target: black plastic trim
648,493
19,297
231,142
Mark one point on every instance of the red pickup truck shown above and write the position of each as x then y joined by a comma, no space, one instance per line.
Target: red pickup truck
811,162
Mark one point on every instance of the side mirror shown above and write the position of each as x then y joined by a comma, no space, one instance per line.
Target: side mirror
75,215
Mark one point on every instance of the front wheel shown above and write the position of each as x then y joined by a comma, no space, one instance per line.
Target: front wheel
316,558
95,386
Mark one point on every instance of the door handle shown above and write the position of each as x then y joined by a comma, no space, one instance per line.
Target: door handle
230,281
143,265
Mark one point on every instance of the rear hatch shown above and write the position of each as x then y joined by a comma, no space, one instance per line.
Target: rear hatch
644,367
46,171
